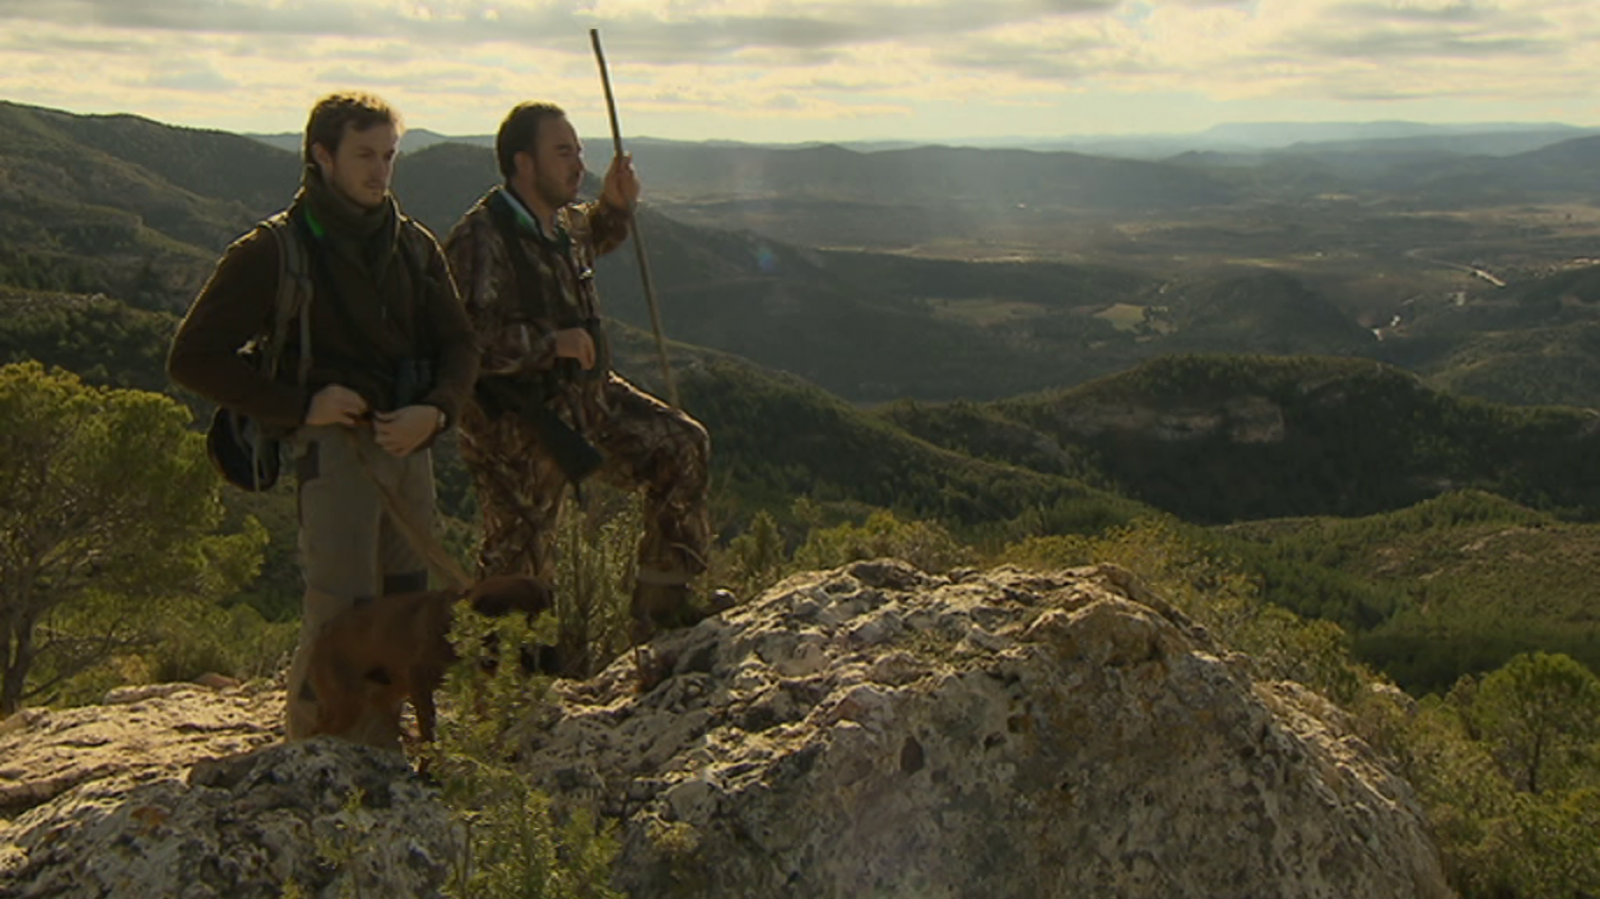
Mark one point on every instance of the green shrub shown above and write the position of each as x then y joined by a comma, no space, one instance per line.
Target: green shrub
1175,562
596,550
520,844
1470,757
198,636
754,560
925,544
1539,713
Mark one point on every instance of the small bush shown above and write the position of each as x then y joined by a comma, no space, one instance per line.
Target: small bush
519,844
925,544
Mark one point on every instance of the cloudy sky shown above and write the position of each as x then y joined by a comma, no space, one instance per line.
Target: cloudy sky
792,70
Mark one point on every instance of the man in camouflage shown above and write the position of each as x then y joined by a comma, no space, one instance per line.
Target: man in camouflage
523,257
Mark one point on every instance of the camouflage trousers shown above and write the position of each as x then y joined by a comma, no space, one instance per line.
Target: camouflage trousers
647,446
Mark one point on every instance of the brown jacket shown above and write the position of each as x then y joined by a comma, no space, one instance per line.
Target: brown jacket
361,328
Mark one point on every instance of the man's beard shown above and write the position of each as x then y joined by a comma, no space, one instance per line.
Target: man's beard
555,193
355,199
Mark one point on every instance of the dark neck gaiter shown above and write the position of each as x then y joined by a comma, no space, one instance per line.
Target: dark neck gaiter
364,236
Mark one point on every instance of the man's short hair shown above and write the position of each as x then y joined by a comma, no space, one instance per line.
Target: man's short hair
333,112
520,131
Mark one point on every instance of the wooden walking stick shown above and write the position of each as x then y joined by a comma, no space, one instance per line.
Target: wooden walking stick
638,238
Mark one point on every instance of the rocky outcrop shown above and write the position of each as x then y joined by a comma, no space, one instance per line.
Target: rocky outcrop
872,730
138,734
154,813
877,731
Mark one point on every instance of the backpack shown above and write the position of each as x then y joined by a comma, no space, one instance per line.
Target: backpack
239,446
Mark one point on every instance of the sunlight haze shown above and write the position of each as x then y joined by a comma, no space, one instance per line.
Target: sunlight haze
800,70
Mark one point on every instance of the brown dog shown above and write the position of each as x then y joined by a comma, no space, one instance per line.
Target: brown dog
373,655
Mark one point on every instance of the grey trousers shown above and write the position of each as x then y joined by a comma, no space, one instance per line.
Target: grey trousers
351,550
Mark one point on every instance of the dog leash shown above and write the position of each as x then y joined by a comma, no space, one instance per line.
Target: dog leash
438,559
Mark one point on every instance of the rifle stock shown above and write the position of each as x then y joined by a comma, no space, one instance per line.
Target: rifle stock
502,394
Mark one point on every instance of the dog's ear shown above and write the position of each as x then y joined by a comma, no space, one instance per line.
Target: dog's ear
492,606
536,596
499,596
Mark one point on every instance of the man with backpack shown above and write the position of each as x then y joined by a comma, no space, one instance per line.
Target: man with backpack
548,408
372,357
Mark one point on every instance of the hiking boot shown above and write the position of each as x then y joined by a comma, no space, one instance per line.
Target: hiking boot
659,607
662,607
720,601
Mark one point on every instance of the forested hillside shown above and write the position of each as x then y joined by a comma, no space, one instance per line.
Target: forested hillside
1226,438
1454,585
90,203
1069,284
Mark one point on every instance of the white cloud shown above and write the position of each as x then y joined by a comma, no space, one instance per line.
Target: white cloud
465,61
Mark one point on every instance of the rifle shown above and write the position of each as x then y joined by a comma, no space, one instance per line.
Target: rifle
525,396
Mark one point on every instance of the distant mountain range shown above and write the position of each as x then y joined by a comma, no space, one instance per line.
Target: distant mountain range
1446,165
411,141
1482,138
794,258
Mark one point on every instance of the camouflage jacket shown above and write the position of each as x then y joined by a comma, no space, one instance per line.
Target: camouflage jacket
516,322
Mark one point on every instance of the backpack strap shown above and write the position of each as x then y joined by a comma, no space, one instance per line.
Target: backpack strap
292,301
525,274
294,294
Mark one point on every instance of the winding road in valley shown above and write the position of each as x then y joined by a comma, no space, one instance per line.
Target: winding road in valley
1476,272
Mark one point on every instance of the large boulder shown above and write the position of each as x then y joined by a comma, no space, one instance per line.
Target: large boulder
177,790
869,731
876,731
